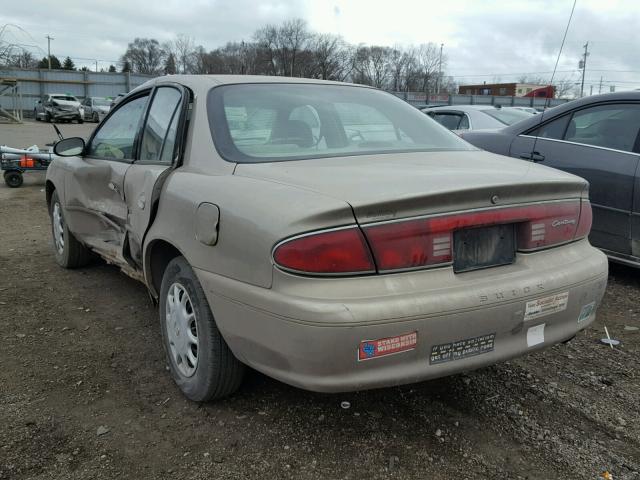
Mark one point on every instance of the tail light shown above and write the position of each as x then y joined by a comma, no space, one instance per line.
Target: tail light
428,242
333,252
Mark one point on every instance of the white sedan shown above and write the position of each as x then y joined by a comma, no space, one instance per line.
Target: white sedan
475,117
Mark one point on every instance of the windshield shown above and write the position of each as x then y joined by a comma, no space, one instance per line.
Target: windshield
101,102
66,98
273,122
508,117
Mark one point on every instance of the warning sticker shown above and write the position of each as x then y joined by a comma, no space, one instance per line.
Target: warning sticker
546,306
381,347
460,349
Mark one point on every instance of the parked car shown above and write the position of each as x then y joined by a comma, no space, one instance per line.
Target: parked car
597,138
58,107
531,110
96,108
328,235
475,117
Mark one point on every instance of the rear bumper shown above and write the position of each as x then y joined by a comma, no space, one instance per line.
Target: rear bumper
307,332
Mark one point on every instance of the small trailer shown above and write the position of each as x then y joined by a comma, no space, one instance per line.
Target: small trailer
14,162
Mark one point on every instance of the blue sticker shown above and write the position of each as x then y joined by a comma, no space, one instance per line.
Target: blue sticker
369,349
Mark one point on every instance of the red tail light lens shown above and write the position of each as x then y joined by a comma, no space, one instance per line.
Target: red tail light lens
586,219
332,252
428,241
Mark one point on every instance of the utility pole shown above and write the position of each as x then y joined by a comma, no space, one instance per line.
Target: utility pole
439,80
96,66
583,65
600,87
49,38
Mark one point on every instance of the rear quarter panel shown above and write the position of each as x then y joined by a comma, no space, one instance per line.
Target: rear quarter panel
254,216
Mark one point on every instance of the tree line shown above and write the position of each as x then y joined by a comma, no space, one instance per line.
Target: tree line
291,49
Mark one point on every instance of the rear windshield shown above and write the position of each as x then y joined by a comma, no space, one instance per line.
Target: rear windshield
274,122
508,117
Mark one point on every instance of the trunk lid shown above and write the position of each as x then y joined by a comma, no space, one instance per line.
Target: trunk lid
390,186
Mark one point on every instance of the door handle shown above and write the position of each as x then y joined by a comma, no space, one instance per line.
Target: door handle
532,156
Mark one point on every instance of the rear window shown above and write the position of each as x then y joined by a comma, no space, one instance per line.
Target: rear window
508,117
274,122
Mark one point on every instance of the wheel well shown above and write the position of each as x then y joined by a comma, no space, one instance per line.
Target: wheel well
49,189
160,254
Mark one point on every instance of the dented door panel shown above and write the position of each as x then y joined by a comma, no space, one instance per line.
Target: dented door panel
95,203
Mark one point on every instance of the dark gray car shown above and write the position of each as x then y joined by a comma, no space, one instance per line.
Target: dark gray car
598,139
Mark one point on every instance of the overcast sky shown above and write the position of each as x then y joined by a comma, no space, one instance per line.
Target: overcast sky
483,40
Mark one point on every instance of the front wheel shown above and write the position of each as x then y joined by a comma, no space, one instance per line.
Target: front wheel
201,363
68,251
80,120
96,119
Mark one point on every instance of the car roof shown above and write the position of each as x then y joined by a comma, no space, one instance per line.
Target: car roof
198,82
527,123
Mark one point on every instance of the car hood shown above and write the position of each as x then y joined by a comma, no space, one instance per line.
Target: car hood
67,103
383,187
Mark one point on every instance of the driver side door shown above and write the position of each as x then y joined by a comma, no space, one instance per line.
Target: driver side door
96,209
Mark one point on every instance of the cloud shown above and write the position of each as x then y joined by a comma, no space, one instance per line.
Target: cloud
481,39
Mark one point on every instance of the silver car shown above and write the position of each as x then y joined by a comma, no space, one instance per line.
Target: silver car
96,108
58,107
328,235
476,117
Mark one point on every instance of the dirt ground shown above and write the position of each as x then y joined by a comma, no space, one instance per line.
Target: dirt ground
84,391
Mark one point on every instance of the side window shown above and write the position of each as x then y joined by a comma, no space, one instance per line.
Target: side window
610,126
554,129
464,123
160,128
115,138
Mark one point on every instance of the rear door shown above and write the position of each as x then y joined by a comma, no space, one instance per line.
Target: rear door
94,192
159,151
598,144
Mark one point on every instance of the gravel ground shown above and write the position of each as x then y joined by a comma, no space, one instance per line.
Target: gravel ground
84,391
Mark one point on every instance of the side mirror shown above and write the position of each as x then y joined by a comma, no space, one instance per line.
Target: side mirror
69,147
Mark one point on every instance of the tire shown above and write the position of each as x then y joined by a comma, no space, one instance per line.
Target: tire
96,118
80,120
72,254
48,117
216,372
13,179
35,115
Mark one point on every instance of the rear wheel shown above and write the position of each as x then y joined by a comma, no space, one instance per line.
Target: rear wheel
13,179
95,117
201,363
69,253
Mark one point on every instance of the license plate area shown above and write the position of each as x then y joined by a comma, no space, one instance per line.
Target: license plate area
483,247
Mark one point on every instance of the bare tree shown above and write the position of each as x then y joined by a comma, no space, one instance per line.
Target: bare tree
566,88
183,48
145,55
331,57
371,66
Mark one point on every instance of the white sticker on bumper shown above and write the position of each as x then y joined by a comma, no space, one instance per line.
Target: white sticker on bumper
535,335
546,306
